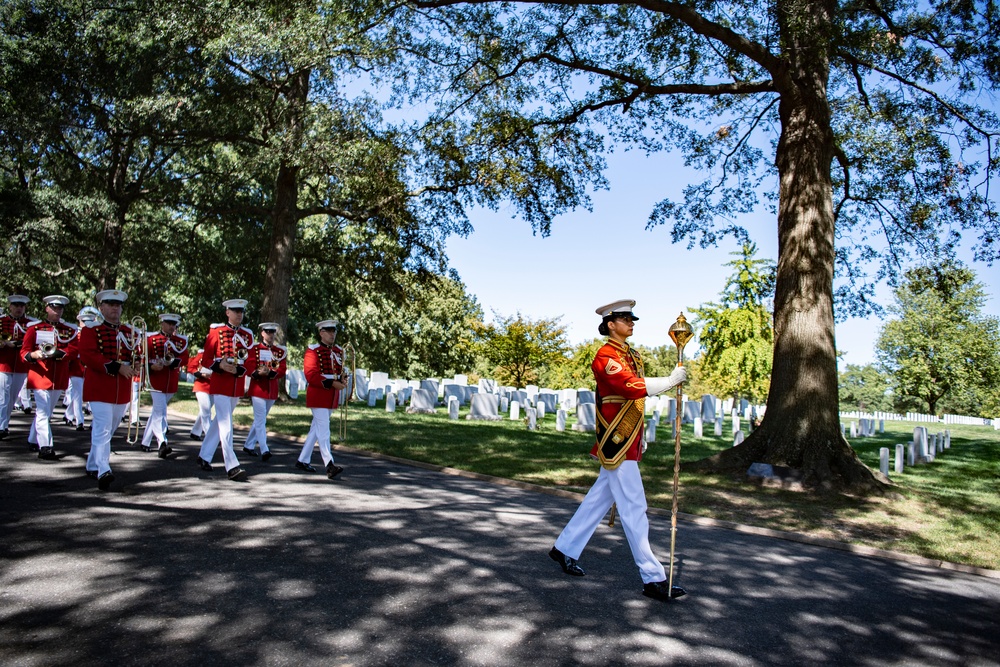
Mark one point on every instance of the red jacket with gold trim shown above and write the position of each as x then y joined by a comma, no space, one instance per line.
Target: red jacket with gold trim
618,370
225,342
52,373
104,348
269,371
202,382
12,332
321,366
157,344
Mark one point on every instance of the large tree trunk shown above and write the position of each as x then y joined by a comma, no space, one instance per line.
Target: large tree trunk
285,213
801,427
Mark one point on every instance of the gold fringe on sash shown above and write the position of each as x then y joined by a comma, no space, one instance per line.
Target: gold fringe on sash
614,437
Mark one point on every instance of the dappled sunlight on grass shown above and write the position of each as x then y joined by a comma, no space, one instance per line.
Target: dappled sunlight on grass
948,509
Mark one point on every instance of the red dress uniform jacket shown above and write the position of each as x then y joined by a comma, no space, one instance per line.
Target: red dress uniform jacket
13,331
225,342
157,344
321,366
50,373
195,369
618,370
103,350
267,387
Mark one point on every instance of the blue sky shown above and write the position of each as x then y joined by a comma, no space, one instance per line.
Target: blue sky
509,270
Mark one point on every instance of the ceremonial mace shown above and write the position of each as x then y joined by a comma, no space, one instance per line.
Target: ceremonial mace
680,332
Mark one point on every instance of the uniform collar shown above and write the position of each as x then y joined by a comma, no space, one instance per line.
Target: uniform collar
625,347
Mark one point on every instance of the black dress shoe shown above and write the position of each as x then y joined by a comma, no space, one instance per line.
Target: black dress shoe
163,450
304,466
265,456
237,474
569,565
145,448
79,427
249,452
4,433
47,453
33,446
196,437
660,590
27,411
91,473
332,470
104,481
204,465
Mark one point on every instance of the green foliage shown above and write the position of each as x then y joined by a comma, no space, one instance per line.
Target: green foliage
573,369
942,353
520,348
736,335
865,388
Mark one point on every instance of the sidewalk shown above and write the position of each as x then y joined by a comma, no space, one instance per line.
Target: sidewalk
393,564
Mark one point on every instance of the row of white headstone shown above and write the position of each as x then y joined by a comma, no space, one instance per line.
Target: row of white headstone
924,448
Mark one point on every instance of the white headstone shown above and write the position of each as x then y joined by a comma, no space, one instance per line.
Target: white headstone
532,423
484,407
698,427
540,410
378,379
947,439
515,410
372,397
854,429
899,458
422,401
881,426
461,379
738,438
519,396
736,423
911,454
560,420
883,460
487,386
361,384
453,391
718,426
585,396
707,407
390,403
651,431
586,417
504,402
453,407
549,400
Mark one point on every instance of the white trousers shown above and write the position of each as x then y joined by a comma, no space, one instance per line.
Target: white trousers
10,387
204,418
23,396
41,430
133,410
258,432
157,422
105,419
319,432
74,401
623,486
221,431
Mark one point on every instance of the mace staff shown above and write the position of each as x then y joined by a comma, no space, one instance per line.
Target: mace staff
680,332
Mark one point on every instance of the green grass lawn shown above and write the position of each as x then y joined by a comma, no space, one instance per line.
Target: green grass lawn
948,509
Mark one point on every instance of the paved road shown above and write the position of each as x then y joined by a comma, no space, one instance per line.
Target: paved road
396,565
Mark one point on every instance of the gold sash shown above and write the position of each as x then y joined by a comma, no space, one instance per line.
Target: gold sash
615,436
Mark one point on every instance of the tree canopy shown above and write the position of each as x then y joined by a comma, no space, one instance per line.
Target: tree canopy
941,352
520,348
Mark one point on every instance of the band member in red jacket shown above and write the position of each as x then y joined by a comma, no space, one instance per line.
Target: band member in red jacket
111,352
168,353
272,363
323,367
74,393
227,353
13,369
202,393
621,392
48,347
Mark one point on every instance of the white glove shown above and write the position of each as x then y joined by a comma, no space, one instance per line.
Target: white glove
656,386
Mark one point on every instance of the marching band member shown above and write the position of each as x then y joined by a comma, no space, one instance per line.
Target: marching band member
323,367
272,364
107,350
202,394
227,353
168,351
13,369
48,347
621,393
74,393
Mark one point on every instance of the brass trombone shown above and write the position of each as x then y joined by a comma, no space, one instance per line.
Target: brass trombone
351,354
138,344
